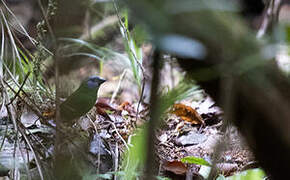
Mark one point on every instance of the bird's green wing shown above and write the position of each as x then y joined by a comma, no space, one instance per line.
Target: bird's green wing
77,104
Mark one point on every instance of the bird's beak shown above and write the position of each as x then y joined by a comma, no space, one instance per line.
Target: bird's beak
102,80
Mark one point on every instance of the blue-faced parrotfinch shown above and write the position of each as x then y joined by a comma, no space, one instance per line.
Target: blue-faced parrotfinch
81,101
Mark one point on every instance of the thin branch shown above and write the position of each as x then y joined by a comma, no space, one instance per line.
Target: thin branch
126,33
26,161
110,20
20,89
116,160
12,40
18,22
270,17
127,37
35,111
154,118
122,139
118,87
140,99
46,21
37,160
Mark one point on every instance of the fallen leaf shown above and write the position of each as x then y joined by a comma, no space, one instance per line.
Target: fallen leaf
104,103
192,138
29,118
48,114
207,106
187,113
124,105
163,138
176,167
227,168
103,106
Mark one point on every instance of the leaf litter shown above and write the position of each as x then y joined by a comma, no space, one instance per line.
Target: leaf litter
193,128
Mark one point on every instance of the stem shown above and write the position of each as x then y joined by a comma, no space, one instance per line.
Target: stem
154,117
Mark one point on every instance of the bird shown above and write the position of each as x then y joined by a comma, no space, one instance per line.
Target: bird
80,101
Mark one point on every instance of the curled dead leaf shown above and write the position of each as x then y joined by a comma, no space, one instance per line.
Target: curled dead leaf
126,106
48,114
176,167
102,105
123,105
187,113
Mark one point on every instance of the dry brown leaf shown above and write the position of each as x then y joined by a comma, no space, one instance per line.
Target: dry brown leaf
48,114
187,113
126,106
123,105
103,105
176,167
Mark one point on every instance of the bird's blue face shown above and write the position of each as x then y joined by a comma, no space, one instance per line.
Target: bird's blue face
94,82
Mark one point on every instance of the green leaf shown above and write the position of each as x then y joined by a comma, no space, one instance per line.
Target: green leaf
195,160
105,176
134,158
162,178
97,176
139,35
252,174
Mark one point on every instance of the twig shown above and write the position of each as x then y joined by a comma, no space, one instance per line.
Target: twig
116,159
34,40
18,22
9,110
23,93
33,137
118,87
120,135
35,111
4,136
271,16
99,157
126,33
20,89
3,106
45,16
127,37
110,20
140,99
26,161
94,125
87,25
34,154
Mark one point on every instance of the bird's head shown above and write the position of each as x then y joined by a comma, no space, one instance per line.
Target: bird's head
93,82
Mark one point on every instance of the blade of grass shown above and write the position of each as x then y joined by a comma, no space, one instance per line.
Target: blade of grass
14,47
18,22
2,50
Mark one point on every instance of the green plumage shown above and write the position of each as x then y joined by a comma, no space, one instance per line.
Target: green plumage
81,101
